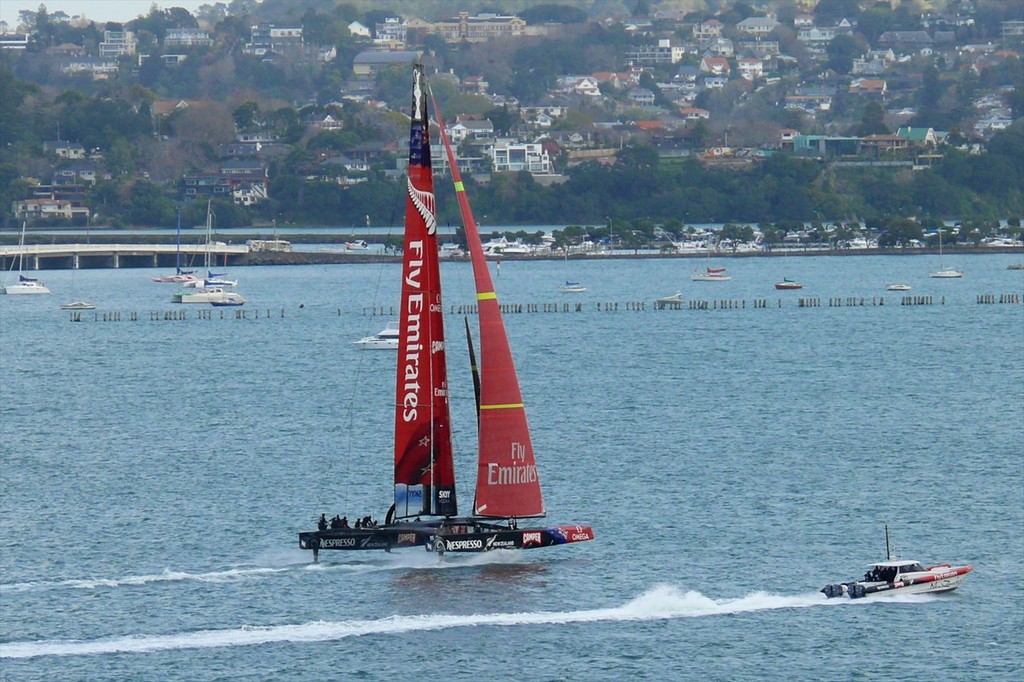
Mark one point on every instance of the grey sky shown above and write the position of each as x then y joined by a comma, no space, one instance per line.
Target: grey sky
97,10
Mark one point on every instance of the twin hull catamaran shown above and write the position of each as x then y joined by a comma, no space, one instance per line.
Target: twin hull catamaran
425,511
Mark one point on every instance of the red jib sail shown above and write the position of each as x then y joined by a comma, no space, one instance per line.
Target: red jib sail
424,470
507,482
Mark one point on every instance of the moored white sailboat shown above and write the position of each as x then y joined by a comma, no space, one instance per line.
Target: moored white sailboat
425,510
25,284
943,272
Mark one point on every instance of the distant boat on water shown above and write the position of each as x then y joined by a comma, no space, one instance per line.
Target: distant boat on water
25,284
786,284
711,275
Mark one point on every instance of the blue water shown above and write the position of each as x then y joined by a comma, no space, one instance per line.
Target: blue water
154,475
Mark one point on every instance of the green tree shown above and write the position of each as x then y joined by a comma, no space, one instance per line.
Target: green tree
872,121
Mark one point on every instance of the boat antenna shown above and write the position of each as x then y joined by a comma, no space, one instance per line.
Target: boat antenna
888,547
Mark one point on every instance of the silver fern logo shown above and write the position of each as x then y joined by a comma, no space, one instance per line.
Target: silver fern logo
424,203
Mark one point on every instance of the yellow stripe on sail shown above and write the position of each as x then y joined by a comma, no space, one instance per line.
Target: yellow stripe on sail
459,187
486,296
504,406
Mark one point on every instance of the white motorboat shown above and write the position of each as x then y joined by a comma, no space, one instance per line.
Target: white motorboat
214,295
572,288
674,298
900,576
358,245
898,287
385,339
78,305
25,284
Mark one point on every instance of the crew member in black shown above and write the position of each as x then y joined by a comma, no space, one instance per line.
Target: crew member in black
322,523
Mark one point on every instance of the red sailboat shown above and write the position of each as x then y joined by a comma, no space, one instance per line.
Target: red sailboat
425,510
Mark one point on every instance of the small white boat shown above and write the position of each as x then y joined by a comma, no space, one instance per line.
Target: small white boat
572,288
674,298
214,295
711,275
358,245
898,287
181,277
385,339
900,576
78,305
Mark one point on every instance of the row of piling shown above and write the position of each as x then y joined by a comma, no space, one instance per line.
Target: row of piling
517,308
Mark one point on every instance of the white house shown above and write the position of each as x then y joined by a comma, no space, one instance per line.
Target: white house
513,157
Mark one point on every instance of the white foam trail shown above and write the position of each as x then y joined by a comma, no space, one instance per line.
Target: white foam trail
407,561
661,603
229,575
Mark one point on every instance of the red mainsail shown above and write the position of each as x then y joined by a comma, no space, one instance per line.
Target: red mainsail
424,470
507,482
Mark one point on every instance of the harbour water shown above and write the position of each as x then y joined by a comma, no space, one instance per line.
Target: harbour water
155,473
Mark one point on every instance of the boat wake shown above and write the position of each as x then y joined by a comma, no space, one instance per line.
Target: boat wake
664,602
227,575
418,561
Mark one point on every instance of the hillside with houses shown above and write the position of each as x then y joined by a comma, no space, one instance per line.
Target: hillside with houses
581,112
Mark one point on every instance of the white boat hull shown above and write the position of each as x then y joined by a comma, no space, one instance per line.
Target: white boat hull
934,580
25,288
217,296
947,274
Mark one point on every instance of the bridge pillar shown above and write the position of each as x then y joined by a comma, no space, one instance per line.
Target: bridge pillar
74,261
156,259
117,259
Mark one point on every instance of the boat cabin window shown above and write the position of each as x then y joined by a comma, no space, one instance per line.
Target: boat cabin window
885,573
912,568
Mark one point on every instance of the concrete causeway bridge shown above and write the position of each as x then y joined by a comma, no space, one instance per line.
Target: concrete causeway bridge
77,256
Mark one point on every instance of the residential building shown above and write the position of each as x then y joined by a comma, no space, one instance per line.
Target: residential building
13,41
64,150
36,209
871,87
265,38
707,30
187,37
718,66
651,55
513,157
477,29
100,69
366,64
758,26
816,35
694,113
750,69
641,97
117,44
586,86
470,129
391,33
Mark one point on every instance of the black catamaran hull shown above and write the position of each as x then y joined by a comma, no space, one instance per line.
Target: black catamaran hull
450,537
